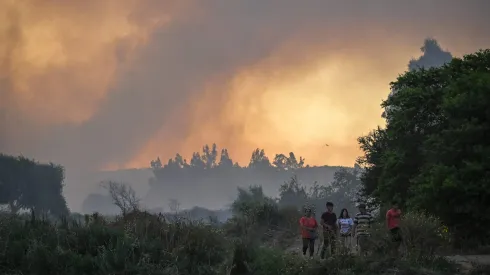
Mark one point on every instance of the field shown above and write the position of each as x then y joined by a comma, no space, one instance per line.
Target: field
260,239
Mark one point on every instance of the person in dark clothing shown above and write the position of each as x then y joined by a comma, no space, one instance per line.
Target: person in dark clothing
329,224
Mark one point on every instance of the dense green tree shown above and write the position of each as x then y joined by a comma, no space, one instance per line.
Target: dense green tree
26,184
433,153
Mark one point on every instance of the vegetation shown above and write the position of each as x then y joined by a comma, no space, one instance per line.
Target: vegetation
257,240
26,184
208,168
433,153
432,157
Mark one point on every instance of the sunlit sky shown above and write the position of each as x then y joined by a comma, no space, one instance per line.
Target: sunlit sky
113,84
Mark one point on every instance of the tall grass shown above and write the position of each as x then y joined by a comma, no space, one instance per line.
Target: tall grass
253,242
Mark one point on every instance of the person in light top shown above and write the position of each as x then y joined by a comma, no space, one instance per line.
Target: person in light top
345,224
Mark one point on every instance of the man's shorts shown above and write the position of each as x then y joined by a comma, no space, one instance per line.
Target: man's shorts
345,235
396,235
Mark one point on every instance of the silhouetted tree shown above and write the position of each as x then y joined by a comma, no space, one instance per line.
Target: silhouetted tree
283,162
259,159
26,184
123,196
177,162
225,160
209,156
156,164
280,161
197,161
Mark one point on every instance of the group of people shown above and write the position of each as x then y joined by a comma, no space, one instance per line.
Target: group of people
346,228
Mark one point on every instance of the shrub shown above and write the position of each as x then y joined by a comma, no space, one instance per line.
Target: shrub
423,235
135,247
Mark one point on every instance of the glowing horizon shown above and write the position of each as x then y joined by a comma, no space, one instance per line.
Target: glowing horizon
111,83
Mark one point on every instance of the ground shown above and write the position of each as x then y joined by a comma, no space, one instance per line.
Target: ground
467,262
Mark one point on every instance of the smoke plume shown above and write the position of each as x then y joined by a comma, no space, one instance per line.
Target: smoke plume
96,84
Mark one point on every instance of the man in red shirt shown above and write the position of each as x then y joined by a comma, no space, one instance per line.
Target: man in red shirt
393,223
308,225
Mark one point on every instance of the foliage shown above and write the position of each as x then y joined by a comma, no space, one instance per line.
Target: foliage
26,184
433,153
342,191
123,196
423,236
39,247
254,241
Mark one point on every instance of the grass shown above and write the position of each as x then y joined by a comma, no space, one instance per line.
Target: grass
141,243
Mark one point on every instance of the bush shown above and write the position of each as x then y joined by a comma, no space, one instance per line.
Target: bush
140,243
135,247
423,235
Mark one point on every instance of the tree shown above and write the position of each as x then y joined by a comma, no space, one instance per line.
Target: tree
46,196
225,160
209,156
283,162
280,161
177,162
432,57
197,161
123,196
346,186
156,164
259,159
181,162
433,153
291,193
27,184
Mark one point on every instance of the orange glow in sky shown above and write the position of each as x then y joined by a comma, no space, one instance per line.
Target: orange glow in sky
113,84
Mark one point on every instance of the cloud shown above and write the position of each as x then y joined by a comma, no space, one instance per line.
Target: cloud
93,84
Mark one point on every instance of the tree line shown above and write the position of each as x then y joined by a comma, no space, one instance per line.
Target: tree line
434,153
208,159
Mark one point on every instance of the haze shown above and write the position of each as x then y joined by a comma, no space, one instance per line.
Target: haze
113,84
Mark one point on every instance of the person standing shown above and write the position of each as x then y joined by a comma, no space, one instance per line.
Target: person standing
329,224
308,225
393,216
345,228
362,225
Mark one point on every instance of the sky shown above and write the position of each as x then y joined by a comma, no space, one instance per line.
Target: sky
113,84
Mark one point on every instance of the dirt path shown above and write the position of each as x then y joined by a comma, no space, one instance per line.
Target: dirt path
468,262
297,245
